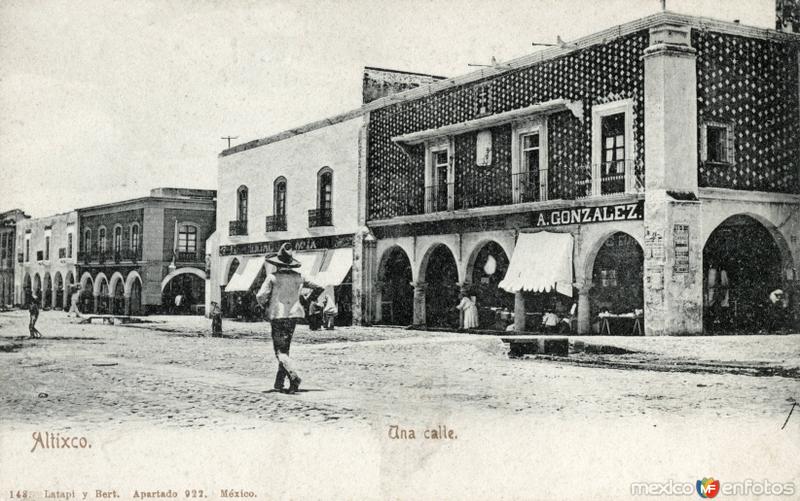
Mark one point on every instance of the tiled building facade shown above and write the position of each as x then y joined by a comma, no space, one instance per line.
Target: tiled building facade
135,256
687,125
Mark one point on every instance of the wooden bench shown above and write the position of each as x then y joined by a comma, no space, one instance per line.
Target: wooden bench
543,345
107,319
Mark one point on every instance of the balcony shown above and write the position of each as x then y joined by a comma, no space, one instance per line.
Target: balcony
437,198
320,217
610,178
133,255
118,256
188,257
20,257
62,253
276,223
529,186
237,228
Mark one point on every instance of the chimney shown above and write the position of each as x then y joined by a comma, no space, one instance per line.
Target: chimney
380,82
787,16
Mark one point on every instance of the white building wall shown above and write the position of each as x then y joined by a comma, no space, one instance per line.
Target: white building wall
298,159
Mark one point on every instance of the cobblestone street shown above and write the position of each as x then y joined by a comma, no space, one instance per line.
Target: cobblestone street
170,373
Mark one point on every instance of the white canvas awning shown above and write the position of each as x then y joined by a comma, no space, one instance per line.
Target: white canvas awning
335,268
245,274
541,262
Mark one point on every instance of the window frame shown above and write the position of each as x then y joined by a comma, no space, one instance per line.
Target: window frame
730,143
242,215
87,240
600,111
114,248
196,233
431,172
277,203
320,175
102,239
47,240
27,248
519,130
133,243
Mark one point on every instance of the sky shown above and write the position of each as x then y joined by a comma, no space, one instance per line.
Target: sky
102,101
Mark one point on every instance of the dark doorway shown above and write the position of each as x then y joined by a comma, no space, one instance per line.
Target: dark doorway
441,296
397,293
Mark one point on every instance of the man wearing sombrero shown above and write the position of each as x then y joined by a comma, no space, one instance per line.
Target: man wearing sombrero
281,293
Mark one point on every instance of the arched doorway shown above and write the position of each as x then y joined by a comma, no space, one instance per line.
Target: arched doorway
47,291
27,291
134,286
617,278
441,297
58,287
742,264
397,293
86,299
101,291
118,297
229,299
489,266
37,288
69,290
189,286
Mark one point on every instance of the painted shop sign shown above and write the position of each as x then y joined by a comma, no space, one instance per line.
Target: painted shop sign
297,244
585,215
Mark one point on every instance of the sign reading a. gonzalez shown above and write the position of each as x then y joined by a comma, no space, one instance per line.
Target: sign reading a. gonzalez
585,215
297,244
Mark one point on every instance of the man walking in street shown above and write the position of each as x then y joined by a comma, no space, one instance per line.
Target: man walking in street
74,300
280,296
33,309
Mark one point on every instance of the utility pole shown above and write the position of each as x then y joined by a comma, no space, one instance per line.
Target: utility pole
229,139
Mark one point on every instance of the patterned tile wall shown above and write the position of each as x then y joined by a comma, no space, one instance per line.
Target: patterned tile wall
752,85
602,73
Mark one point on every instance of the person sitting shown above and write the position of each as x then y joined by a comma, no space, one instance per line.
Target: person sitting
549,321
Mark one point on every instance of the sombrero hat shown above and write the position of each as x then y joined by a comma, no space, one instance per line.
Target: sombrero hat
283,259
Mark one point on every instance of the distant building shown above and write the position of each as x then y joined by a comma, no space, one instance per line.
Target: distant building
8,254
137,255
49,251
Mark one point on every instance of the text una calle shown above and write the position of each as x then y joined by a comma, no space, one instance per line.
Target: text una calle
440,432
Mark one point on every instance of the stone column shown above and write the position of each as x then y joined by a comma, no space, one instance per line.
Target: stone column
584,309
673,254
54,296
464,288
519,311
96,303
127,305
419,302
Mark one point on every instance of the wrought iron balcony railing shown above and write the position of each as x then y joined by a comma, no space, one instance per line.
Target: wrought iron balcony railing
187,256
437,198
529,186
237,228
611,178
320,217
134,254
275,223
